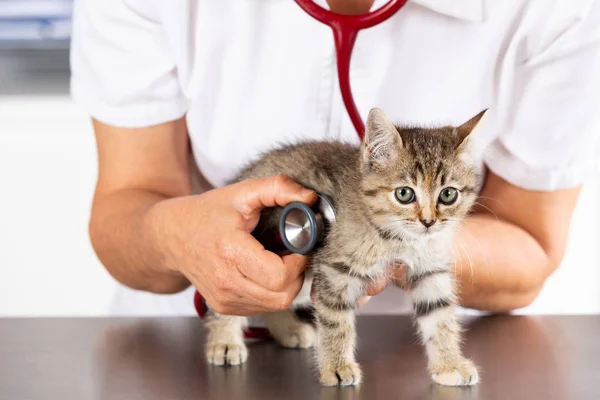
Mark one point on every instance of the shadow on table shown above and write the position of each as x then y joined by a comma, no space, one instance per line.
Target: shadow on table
520,358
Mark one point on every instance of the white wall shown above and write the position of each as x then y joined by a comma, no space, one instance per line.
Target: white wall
575,286
47,170
47,173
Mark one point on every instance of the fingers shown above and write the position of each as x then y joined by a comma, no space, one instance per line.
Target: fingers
265,268
250,298
362,301
256,194
373,288
376,286
395,273
269,301
295,264
400,276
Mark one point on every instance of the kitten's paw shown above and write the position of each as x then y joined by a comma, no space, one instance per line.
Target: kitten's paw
297,336
465,374
345,374
226,354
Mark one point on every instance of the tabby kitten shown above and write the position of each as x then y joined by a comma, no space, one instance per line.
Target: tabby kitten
398,198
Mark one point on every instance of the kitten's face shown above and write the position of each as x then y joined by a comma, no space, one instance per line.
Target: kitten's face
417,182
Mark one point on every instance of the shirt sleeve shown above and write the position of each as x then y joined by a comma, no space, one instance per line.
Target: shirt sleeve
122,72
550,119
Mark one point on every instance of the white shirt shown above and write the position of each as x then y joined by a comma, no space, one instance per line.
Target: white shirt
251,74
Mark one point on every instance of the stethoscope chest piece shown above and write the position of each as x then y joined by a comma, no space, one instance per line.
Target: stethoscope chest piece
302,228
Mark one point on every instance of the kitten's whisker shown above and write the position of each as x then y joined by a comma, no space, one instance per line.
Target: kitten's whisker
457,251
484,254
399,220
493,199
459,220
466,250
489,209
473,222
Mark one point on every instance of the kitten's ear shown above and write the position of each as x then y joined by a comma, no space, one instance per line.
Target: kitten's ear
463,131
382,140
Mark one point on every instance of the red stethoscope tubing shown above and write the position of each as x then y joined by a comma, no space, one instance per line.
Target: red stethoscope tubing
345,30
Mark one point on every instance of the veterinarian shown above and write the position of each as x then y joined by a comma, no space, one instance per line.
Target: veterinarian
183,94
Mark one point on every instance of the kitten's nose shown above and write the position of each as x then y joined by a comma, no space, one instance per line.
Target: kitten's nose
427,222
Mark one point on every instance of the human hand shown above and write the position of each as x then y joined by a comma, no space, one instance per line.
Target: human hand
394,272
207,238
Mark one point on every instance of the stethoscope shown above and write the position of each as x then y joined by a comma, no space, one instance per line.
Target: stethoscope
303,228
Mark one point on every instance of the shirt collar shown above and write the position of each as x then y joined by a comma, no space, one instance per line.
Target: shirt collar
470,10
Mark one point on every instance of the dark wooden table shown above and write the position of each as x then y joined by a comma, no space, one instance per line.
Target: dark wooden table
520,358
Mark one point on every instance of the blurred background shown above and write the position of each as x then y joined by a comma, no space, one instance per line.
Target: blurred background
48,170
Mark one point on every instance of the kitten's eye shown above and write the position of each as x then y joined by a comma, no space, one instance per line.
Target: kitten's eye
405,195
448,196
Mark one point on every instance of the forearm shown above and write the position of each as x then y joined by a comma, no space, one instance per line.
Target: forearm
499,266
126,243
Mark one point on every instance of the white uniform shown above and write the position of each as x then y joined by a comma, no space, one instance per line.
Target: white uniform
249,74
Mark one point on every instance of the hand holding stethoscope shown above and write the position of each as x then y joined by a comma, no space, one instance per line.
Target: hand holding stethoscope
301,228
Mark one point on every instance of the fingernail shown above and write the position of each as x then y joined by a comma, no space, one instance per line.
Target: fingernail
306,192
362,301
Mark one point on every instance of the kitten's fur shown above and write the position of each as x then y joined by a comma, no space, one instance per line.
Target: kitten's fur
372,230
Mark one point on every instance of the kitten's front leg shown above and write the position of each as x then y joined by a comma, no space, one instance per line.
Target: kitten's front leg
294,327
287,328
225,342
434,304
334,317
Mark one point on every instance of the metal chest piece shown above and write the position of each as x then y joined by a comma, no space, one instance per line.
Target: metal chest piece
303,228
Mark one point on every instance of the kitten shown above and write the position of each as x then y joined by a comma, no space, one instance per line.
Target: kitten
398,197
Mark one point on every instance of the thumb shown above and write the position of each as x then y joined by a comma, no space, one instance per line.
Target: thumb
280,190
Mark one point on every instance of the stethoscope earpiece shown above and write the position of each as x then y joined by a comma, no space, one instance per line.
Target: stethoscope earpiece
302,228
